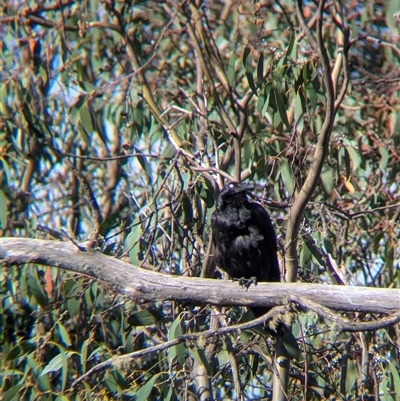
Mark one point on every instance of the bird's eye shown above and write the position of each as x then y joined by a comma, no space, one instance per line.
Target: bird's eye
231,185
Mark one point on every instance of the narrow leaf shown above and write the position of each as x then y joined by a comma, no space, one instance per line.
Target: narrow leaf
287,177
86,119
177,351
145,165
247,62
384,158
54,365
354,157
260,70
64,336
145,391
291,345
231,69
280,102
3,210
327,179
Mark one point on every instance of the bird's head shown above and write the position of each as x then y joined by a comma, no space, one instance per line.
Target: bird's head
233,192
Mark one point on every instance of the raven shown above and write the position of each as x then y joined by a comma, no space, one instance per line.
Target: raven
244,239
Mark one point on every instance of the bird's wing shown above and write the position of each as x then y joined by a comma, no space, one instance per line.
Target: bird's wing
261,219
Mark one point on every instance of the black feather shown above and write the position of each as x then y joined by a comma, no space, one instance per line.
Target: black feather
244,238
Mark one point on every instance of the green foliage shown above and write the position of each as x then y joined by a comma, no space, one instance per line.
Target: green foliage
75,86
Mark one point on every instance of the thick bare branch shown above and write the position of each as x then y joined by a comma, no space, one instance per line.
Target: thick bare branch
141,284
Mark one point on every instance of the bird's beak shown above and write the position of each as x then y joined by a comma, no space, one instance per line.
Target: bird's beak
244,188
248,187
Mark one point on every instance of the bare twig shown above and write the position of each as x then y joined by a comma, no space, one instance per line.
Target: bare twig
304,27
94,206
344,324
357,215
123,359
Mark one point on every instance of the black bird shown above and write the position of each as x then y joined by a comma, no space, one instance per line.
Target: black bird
244,238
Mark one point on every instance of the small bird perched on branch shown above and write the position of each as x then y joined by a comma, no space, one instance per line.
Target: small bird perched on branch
244,239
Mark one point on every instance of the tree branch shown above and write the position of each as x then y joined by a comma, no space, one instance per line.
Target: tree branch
296,212
140,284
